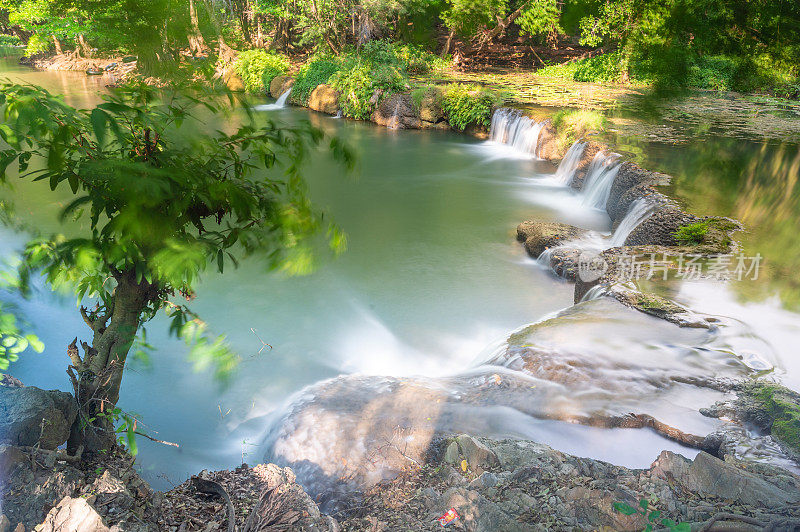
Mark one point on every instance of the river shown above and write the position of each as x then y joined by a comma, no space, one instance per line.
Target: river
408,322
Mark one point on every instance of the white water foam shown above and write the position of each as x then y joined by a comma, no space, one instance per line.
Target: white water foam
568,165
599,179
512,129
280,103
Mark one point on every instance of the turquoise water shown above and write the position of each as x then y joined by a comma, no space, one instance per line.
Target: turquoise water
432,280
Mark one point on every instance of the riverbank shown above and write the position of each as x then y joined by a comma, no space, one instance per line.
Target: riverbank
581,178
508,485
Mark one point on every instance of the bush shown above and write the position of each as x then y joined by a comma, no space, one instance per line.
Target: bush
605,68
713,72
9,40
466,105
358,84
257,68
314,73
38,44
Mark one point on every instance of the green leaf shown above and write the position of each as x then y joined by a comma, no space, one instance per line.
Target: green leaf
625,509
643,504
99,118
654,515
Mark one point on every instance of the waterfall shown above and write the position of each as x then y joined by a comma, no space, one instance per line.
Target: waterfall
568,165
599,179
511,127
639,211
280,103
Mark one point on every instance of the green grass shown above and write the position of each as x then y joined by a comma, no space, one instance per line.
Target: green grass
710,236
572,125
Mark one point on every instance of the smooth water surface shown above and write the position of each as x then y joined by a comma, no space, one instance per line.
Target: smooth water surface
432,281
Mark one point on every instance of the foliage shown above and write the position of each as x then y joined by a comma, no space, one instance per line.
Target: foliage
541,18
653,516
13,341
162,201
9,40
467,17
37,45
257,68
598,69
468,105
314,73
359,83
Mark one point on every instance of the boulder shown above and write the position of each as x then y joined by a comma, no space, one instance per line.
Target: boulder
478,456
539,236
430,106
631,183
29,415
232,80
324,99
660,227
73,514
397,111
279,85
711,476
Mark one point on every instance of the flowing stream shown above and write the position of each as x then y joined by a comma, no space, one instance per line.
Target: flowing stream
422,326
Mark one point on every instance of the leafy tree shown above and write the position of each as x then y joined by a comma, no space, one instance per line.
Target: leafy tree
164,201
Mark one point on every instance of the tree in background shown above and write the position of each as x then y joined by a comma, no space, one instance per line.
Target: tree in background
163,201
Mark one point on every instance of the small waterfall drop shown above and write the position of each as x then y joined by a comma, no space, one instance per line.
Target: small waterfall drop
280,103
599,179
639,211
511,127
568,165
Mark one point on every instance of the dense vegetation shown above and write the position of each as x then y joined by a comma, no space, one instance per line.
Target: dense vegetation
732,45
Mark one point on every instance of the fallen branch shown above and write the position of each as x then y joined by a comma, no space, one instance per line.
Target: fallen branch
171,444
215,488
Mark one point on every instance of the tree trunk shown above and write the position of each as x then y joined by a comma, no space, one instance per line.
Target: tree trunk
57,45
84,49
99,373
197,45
501,27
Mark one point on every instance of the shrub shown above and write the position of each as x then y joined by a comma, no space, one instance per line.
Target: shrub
466,105
314,73
713,72
605,68
358,84
9,40
257,68
37,44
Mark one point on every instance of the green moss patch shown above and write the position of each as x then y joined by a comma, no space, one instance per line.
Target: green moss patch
782,406
710,236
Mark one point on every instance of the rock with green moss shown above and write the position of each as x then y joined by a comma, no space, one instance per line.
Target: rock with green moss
539,236
774,408
708,236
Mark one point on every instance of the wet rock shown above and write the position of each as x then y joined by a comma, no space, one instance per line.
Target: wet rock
324,99
565,262
279,85
10,381
659,229
631,183
397,111
539,236
73,515
29,415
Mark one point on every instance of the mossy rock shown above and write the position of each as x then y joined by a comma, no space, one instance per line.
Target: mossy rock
708,236
777,410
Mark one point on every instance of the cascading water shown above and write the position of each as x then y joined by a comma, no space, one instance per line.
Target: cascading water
639,211
568,165
280,103
511,127
599,179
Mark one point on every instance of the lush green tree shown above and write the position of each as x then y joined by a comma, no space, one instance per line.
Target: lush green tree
164,200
